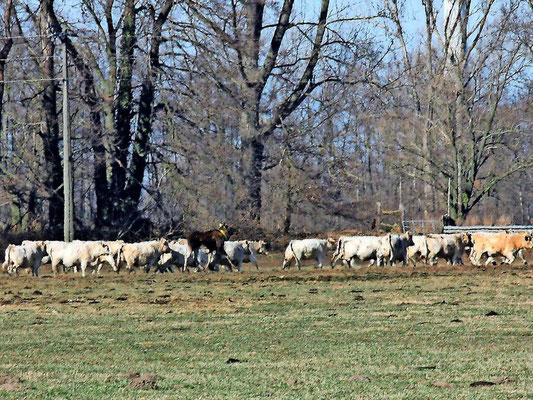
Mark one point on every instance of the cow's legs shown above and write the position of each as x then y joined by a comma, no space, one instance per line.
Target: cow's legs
230,263
188,253
475,257
490,260
83,267
521,255
35,268
509,257
404,258
54,267
254,261
320,260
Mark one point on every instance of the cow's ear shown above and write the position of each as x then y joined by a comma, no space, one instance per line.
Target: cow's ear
528,238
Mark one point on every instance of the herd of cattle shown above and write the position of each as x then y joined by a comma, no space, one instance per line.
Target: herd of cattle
164,255
161,254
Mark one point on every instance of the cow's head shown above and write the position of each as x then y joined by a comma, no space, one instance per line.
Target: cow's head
408,238
331,243
107,256
41,245
261,247
226,231
164,246
466,238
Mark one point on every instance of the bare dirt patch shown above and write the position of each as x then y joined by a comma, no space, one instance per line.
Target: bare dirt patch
144,381
9,382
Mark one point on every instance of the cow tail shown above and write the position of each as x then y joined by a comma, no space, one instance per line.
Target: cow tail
7,260
293,253
391,250
119,254
427,249
341,248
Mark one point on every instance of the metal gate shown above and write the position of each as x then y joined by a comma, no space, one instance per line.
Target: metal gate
422,226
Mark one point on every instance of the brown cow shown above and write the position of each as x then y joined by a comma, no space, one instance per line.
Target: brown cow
499,244
213,240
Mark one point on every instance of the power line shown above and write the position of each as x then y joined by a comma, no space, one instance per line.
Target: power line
27,37
28,58
31,80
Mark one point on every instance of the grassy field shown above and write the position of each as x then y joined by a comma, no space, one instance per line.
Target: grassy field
372,333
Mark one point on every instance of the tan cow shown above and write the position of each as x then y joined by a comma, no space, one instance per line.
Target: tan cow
145,254
502,244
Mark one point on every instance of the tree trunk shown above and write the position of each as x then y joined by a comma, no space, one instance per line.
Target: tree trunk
50,135
289,207
124,113
146,102
4,52
253,160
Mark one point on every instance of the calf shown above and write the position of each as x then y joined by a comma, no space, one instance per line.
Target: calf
213,240
177,254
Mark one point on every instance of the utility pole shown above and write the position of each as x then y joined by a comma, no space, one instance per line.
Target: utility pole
68,222
449,196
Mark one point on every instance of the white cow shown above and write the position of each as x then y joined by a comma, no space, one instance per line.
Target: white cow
451,247
243,251
362,248
429,248
177,254
252,249
114,248
79,254
298,250
27,255
394,247
419,250
142,253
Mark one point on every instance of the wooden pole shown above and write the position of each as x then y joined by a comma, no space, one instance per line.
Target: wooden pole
68,222
449,194
378,215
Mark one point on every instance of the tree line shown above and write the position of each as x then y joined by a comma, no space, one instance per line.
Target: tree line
275,116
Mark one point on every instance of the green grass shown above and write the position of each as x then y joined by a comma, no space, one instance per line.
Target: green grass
364,334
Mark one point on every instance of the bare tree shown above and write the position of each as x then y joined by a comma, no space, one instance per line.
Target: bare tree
466,86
